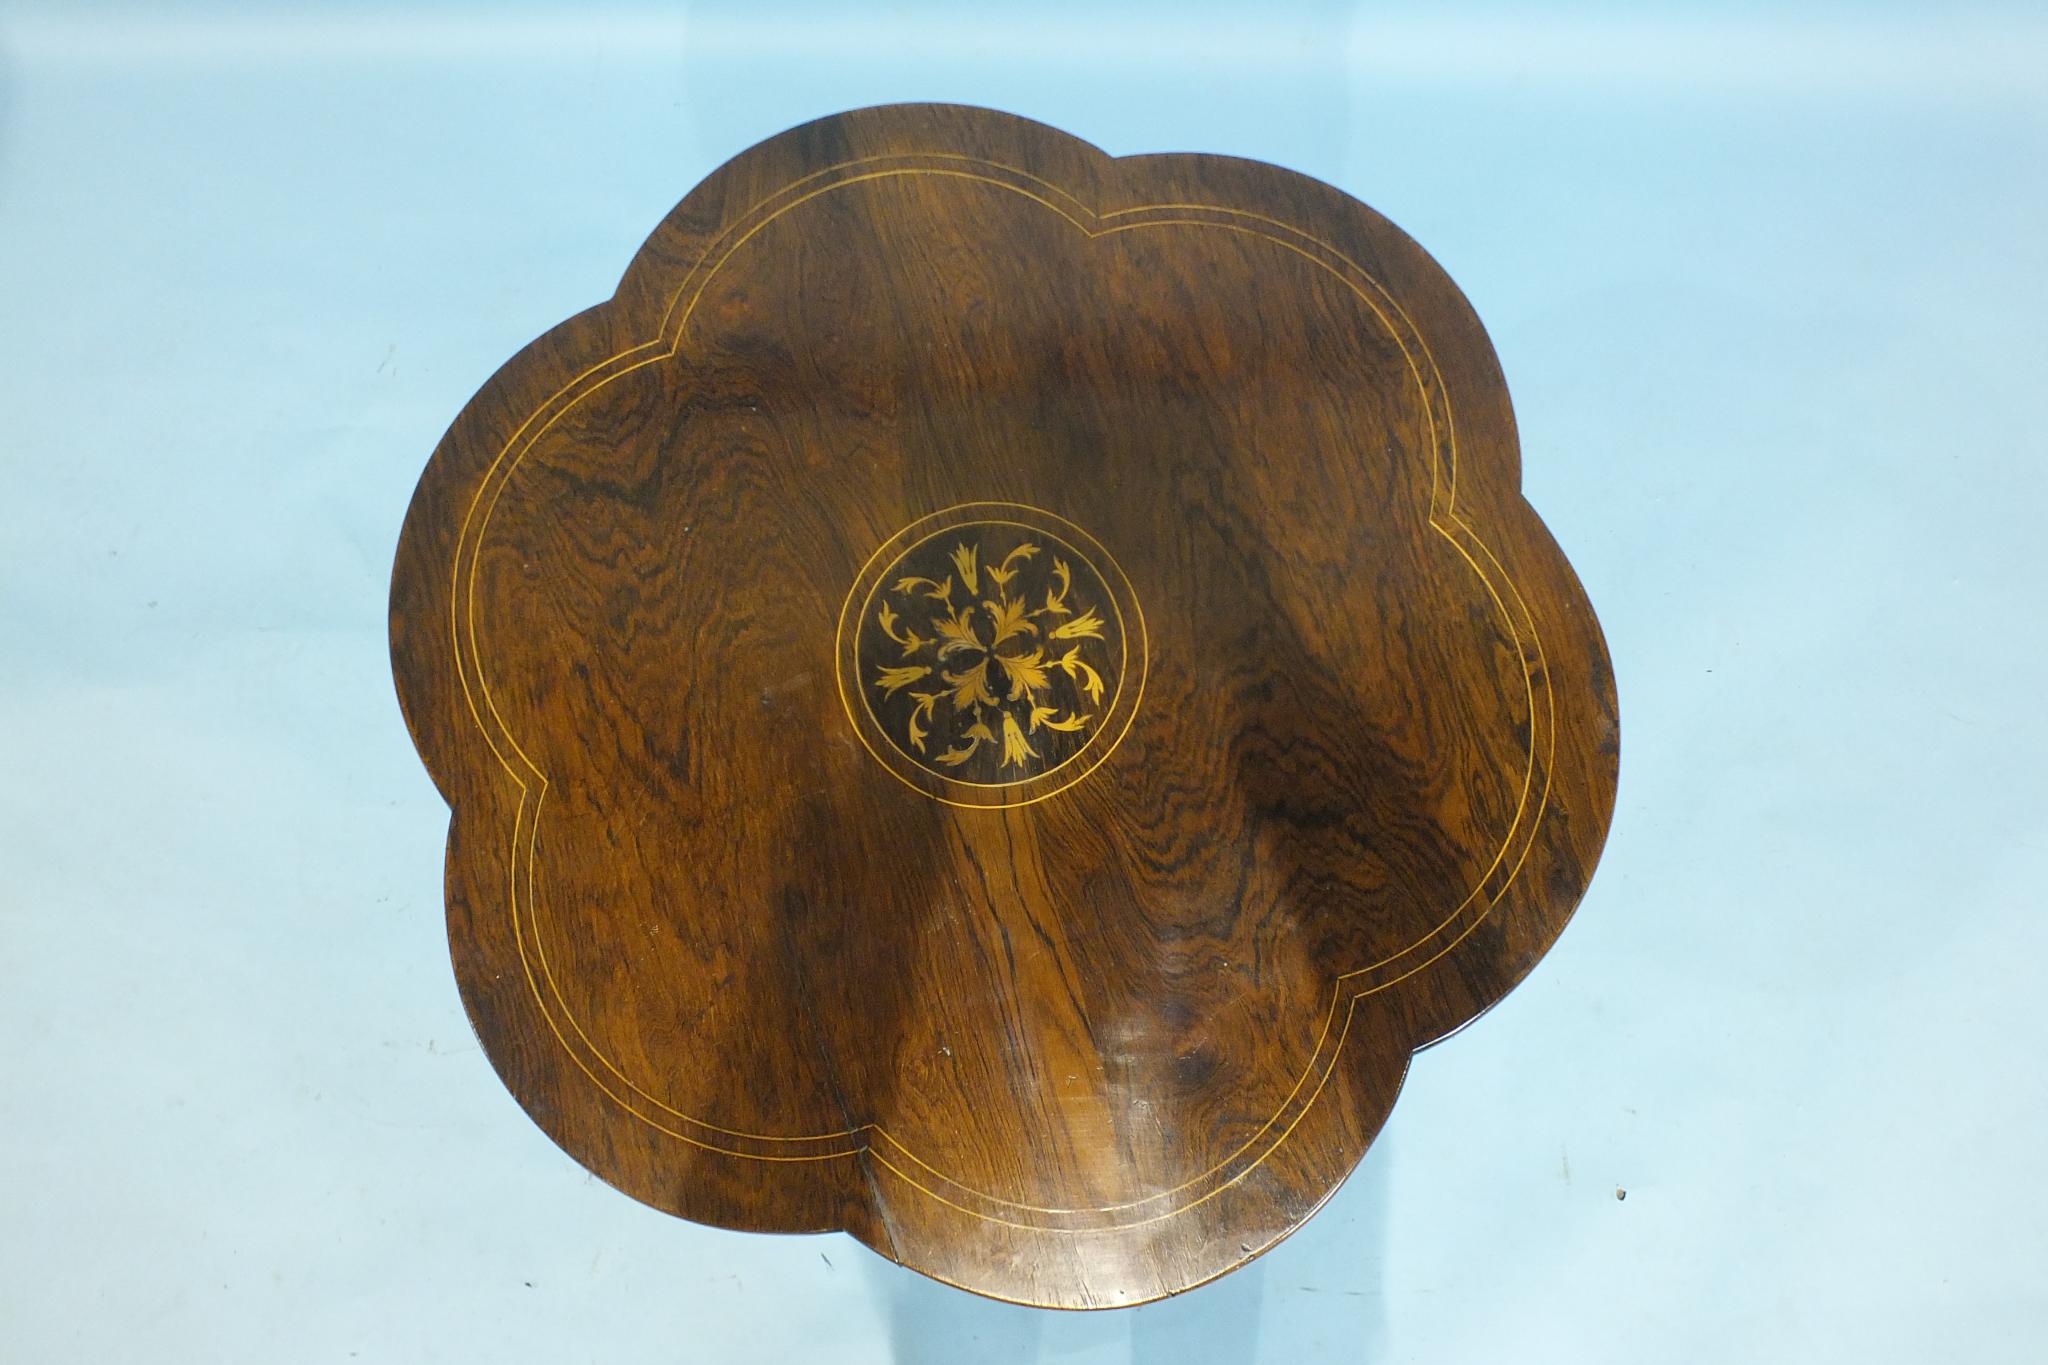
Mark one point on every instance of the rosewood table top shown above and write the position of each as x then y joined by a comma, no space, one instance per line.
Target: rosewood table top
992,697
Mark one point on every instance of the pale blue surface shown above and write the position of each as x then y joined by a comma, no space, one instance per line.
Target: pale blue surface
1771,299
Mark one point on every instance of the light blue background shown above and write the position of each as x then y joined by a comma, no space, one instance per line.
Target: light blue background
1770,295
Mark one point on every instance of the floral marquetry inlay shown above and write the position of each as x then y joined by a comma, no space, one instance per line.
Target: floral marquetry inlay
989,652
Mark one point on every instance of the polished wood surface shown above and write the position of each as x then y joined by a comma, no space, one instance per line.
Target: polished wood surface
992,697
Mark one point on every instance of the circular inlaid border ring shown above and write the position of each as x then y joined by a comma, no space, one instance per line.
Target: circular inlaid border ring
1124,619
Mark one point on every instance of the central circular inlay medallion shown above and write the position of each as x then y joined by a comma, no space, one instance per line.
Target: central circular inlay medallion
991,654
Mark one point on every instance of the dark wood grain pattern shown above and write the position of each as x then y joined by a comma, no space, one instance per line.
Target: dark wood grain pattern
992,697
